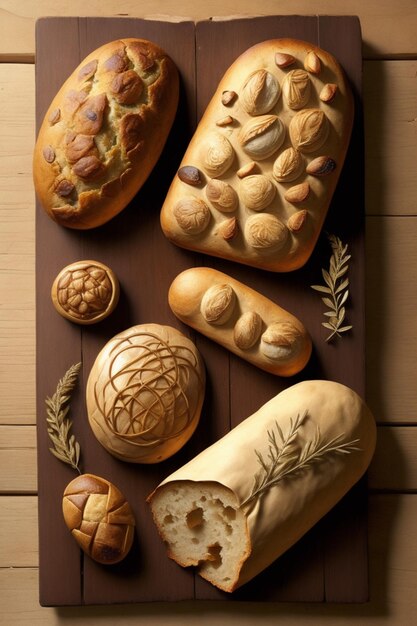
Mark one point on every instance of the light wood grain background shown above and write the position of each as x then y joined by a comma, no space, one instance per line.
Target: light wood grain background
390,105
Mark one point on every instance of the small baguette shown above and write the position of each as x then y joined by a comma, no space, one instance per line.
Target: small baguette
258,176
104,132
209,512
241,320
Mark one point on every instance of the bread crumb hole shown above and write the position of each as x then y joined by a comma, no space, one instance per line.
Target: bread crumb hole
168,519
195,518
195,540
229,529
214,555
230,512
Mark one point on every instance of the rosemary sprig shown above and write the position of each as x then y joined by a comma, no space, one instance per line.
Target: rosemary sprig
285,461
336,288
65,447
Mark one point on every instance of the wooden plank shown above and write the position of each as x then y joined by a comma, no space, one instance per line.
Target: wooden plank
19,536
377,19
394,466
17,246
393,576
18,459
147,573
250,387
17,357
391,330
391,137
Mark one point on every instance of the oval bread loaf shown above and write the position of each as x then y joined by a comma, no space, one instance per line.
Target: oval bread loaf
241,320
257,179
241,503
99,517
104,132
145,392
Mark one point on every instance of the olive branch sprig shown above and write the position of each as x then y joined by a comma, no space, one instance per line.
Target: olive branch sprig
335,289
65,447
284,460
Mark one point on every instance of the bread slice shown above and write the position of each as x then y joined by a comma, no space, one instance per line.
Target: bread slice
202,525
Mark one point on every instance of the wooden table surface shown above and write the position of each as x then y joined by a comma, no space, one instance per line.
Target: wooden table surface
390,105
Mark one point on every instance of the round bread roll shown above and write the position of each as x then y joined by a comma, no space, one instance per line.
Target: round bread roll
85,292
104,132
99,517
145,393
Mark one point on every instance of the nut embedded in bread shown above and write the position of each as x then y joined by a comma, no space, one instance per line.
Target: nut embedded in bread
99,517
104,132
242,502
282,113
145,393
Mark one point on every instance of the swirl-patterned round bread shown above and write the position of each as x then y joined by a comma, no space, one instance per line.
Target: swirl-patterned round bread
145,393
241,320
99,517
104,132
267,152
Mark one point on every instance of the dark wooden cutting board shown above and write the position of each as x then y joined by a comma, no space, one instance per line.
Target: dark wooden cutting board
330,562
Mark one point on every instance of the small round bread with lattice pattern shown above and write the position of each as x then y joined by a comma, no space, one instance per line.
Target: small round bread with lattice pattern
145,392
85,292
99,517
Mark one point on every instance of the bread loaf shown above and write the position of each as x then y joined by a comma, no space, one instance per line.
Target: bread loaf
240,319
99,517
257,179
85,292
145,392
241,503
104,132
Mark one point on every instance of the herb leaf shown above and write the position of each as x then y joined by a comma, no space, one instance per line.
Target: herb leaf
338,291
284,460
65,447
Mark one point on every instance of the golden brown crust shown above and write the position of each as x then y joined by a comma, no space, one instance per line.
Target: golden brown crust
99,517
145,393
106,127
280,106
85,292
240,319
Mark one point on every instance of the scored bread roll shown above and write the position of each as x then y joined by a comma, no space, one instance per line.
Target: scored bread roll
258,176
99,517
145,393
241,320
242,502
104,132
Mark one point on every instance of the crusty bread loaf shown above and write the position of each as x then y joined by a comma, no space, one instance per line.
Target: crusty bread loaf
85,292
145,393
240,319
99,517
257,179
104,132
241,503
